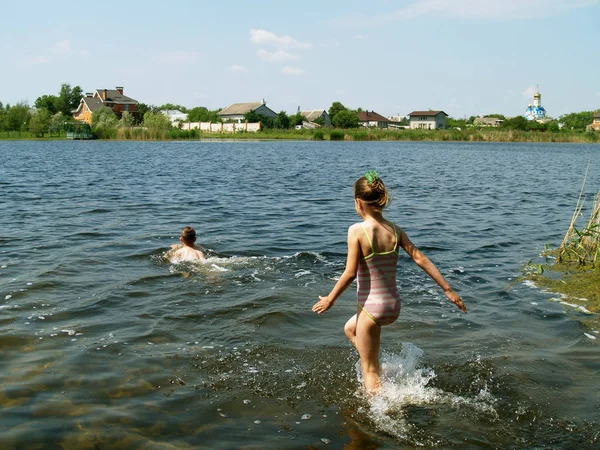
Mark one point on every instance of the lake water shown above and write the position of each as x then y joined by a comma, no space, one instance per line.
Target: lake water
106,345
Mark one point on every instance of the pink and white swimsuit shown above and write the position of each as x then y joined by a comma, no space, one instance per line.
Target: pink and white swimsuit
377,291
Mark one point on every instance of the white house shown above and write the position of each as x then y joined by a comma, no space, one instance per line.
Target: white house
428,120
236,112
175,116
372,119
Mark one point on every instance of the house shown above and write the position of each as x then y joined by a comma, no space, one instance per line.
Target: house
372,119
428,120
595,121
487,122
175,116
111,98
317,114
237,111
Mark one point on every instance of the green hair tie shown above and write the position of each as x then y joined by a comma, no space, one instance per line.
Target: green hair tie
371,176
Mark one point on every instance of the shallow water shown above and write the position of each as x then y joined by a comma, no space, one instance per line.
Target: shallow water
106,344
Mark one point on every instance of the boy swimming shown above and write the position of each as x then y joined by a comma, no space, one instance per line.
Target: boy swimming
188,250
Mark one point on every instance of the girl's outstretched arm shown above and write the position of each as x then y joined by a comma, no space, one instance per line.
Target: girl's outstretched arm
347,277
424,263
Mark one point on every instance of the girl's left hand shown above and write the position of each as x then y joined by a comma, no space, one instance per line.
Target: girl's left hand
456,299
322,305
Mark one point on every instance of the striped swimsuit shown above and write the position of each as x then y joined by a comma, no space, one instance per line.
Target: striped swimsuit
377,291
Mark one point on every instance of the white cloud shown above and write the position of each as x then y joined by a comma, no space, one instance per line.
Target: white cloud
84,53
278,55
264,37
237,68
63,47
176,57
470,9
361,37
287,70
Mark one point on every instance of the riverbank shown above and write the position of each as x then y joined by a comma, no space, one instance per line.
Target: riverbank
471,134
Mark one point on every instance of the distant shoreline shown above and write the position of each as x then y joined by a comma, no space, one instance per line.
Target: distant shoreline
467,135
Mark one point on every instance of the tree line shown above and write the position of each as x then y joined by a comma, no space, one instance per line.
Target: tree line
50,113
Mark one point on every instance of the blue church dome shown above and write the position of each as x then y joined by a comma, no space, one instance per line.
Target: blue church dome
535,113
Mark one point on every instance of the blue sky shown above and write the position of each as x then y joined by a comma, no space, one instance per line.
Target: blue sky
466,57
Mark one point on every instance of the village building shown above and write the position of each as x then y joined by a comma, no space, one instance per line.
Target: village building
237,111
428,120
536,111
110,98
175,116
372,119
595,125
313,115
487,122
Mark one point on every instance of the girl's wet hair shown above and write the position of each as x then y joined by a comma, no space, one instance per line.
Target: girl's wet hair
373,193
188,234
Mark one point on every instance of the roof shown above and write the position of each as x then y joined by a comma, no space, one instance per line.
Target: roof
371,116
313,114
240,108
114,96
92,103
426,113
596,114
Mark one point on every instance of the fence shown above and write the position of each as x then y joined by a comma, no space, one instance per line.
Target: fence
231,127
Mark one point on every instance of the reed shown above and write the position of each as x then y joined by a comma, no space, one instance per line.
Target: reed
582,245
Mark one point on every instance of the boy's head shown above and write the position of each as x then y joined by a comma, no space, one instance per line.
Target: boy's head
188,236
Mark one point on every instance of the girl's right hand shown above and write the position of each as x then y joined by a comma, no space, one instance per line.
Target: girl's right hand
456,299
322,305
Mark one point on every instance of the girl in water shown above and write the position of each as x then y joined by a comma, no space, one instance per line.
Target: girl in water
372,258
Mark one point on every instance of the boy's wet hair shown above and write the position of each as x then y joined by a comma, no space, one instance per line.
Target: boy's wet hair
374,194
188,234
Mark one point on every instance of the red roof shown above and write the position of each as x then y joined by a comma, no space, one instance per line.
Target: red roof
371,116
426,113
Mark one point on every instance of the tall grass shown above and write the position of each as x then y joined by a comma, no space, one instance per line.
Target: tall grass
582,245
361,134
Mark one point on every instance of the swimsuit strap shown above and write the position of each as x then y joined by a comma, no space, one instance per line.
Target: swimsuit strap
368,237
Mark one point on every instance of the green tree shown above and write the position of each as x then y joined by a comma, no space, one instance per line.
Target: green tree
17,116
202,114
253,117
173,107
335,108
345,119
456,123
282,121
39,123
68,99
104,118
296,119
156,121
127,120
577,121
56,123
47,102
517,123
142,109
3,126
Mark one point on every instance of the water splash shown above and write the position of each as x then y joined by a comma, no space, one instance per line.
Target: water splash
404,384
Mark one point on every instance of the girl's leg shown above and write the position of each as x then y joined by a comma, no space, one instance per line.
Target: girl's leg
350,329
368,336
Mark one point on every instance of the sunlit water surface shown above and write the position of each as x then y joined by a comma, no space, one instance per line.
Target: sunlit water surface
106,345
